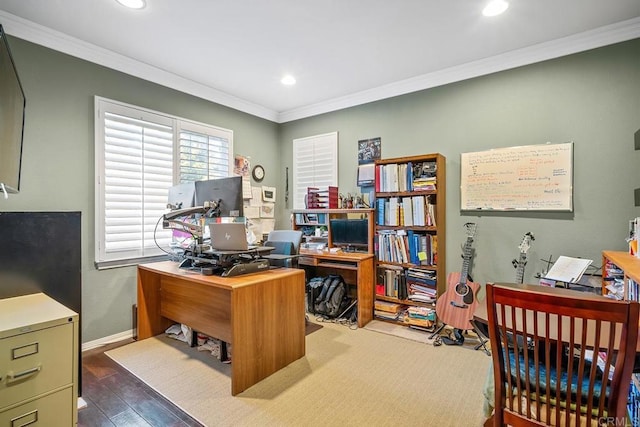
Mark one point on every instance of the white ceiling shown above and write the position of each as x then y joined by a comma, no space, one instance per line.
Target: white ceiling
342,52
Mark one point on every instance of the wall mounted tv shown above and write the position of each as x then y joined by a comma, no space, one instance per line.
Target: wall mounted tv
12,106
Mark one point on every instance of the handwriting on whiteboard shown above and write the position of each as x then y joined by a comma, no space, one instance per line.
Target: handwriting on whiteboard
532,177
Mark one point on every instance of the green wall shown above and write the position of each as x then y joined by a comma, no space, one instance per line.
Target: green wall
591,98
58,158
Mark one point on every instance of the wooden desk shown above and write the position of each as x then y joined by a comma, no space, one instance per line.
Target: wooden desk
481,312
355,267
261,314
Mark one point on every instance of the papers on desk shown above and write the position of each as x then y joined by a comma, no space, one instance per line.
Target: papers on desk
568,270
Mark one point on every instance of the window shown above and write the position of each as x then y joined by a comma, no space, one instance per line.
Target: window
139,155
315,164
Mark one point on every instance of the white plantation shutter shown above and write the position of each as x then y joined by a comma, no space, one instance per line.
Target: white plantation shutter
205,153
315,164
139,155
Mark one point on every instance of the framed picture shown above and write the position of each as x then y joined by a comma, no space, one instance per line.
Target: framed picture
369,150
269,194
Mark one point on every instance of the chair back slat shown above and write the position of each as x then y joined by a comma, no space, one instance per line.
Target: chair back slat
560,359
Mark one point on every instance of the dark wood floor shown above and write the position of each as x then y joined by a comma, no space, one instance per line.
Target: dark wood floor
117,398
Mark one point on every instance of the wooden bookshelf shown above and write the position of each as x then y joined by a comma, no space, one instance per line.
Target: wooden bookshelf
393,228
629,267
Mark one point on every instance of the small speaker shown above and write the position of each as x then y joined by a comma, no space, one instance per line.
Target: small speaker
636,195
636,138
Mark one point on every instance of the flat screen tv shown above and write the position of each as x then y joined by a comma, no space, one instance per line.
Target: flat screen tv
12,106
227,192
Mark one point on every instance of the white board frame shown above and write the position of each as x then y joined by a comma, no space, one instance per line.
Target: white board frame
522,178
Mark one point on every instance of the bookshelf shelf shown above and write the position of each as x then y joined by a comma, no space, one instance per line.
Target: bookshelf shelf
410,204
621,271
621,277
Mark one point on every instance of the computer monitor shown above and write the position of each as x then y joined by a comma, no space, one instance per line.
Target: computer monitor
227,192
182,196
350,234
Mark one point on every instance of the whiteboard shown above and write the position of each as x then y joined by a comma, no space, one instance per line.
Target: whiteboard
525,178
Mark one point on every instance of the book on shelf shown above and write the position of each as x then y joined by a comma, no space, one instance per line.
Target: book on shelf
386,315
424,176
390,281
390,307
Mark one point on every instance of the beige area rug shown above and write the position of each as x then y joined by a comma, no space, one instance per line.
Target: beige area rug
399,331
347,378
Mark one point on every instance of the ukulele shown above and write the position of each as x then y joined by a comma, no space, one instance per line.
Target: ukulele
522,258
456,306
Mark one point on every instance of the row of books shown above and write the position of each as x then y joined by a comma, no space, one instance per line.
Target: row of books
392,177
633,401
614,278
634,290
420,317
311,218
421,285
387,310
406,211
406,247
406,284
391,281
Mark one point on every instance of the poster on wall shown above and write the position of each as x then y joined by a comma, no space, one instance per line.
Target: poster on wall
369,150
241,167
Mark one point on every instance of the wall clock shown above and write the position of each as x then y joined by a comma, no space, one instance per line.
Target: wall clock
258,173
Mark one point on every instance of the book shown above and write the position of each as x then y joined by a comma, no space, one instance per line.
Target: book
567,269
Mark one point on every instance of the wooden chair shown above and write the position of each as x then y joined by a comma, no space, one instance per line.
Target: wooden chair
542,345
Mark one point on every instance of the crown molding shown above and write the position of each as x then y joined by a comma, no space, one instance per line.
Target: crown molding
603,36
61,42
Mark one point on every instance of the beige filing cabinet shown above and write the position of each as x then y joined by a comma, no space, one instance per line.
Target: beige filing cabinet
38,362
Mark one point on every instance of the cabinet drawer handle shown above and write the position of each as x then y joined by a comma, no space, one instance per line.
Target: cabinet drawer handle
22,420
11,377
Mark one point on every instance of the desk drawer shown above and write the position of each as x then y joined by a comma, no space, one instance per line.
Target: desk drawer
53,410
35,363
307,260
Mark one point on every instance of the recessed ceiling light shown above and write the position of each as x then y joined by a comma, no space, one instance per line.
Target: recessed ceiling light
288,80
495,7
133,4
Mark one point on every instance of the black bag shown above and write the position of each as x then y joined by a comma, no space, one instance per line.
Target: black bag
314,287
333,298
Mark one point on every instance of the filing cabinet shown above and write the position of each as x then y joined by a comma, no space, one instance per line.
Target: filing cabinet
38,362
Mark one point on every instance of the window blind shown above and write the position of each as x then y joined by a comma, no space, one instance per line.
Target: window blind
138,171
140,154
203,156
315,164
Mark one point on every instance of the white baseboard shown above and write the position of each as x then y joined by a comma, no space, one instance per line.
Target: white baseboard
107,340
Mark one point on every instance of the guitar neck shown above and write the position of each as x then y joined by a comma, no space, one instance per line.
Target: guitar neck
520,270
464,273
